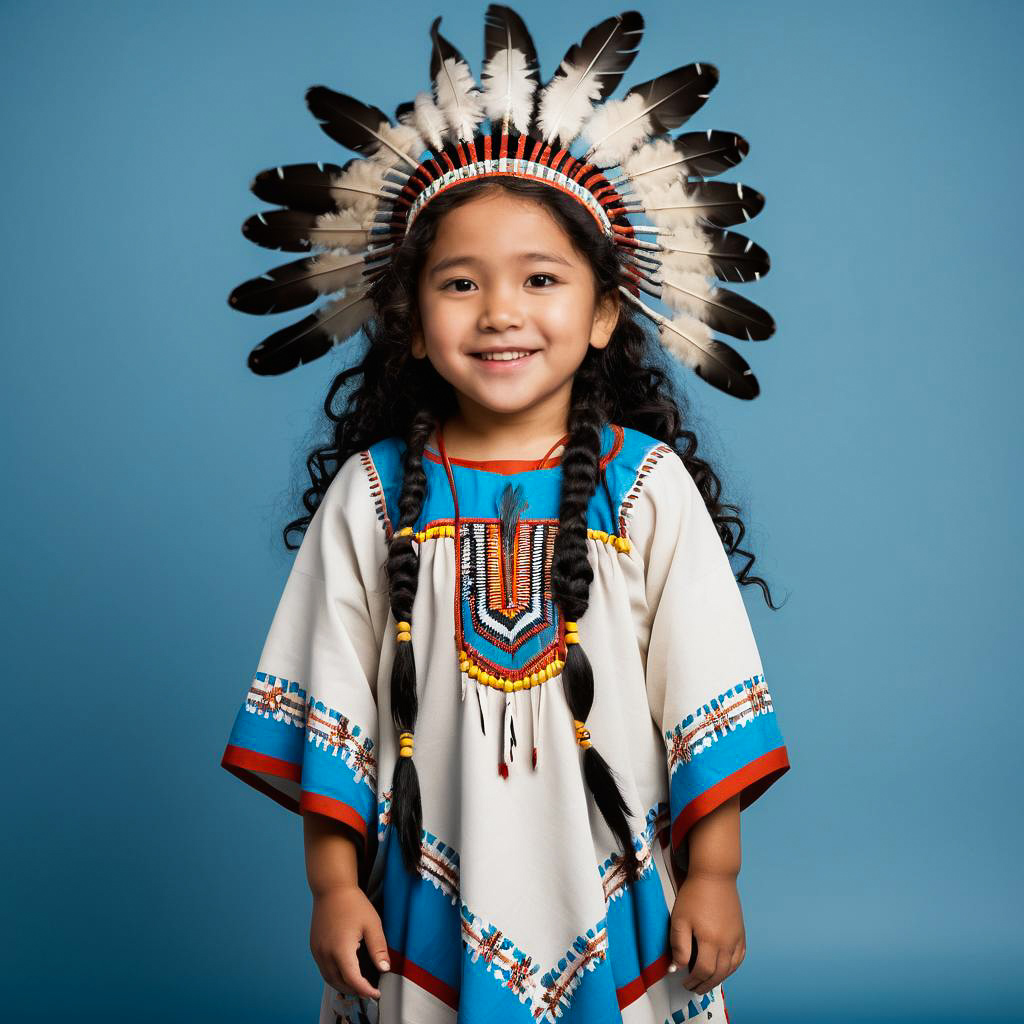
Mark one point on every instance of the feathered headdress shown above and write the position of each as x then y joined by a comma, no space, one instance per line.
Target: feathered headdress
646,190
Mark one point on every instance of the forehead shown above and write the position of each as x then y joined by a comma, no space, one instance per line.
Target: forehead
498,225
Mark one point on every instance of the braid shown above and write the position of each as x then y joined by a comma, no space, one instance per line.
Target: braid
403,576
571,577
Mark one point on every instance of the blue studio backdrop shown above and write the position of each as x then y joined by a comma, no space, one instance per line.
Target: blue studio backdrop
149,474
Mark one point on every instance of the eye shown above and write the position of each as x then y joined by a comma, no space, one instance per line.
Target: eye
447,286
543,277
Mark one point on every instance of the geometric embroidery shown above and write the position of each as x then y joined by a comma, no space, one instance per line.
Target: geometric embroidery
613,870
549,994
285,701
733,709
507,619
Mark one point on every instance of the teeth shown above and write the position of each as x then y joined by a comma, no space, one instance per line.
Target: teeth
502,355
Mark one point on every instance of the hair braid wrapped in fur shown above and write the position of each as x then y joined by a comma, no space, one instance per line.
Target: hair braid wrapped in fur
571,577
403,576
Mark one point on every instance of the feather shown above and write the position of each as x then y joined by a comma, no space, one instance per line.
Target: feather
510,73
674,97
713,361
301,282
360,187
614,130
312,336
510,506
300,186
359,127
455,90
718,203
429,120
296,231
666,160
732,256
720,308
590,71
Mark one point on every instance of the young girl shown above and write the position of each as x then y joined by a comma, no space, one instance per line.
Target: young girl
511,685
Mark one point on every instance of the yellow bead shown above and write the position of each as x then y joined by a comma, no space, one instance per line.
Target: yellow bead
571,638
404,637
473,672
402,625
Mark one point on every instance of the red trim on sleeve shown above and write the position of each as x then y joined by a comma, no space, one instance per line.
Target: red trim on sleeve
241,757
750,782
331,808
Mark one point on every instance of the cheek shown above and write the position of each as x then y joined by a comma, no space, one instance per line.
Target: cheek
567,317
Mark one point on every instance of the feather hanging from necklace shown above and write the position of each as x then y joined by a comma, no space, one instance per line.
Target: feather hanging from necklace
455,90
510,506
510,74
590,71
312,336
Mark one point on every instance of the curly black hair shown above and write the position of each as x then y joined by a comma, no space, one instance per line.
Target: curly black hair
392,394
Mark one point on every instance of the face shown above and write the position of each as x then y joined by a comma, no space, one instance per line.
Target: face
507,306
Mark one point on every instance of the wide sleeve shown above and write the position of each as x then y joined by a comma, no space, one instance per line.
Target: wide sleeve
704,676
306,733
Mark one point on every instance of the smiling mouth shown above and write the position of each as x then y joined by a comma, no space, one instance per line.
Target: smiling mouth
510,356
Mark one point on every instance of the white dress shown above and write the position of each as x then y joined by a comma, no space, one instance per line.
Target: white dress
519,911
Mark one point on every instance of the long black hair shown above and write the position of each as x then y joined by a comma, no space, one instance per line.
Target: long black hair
392,394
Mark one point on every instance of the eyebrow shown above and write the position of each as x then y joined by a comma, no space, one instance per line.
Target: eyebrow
472,261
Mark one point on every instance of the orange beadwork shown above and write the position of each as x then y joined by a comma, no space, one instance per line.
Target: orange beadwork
582,733
541,675
402,632
619,543
405,740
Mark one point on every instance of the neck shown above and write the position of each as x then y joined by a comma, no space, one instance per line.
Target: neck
475,432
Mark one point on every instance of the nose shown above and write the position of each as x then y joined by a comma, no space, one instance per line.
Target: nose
501,310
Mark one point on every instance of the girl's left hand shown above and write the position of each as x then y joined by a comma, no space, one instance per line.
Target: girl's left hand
707,906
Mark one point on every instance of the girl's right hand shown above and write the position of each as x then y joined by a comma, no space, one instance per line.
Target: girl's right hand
342,917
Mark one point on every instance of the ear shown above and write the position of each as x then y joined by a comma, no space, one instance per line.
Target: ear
606,316
417,346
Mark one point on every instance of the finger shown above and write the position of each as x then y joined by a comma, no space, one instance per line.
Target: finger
681,941
720,972
349,965
331,974
704,968
377,944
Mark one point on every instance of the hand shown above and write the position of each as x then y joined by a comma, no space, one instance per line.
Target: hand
707,907
342,917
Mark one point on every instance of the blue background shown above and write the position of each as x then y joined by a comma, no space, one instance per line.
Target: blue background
148,474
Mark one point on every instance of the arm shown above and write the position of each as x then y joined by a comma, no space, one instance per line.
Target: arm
707,907
342,914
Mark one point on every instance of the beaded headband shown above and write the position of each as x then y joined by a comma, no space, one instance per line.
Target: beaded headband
646,190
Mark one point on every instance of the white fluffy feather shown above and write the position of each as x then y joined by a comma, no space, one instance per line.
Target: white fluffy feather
402,143
353,233
429,120
507,89
671,207
566,102
646,169
342,317
362,185
615,129
458,98
684,291
343,271
683,335
676,260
